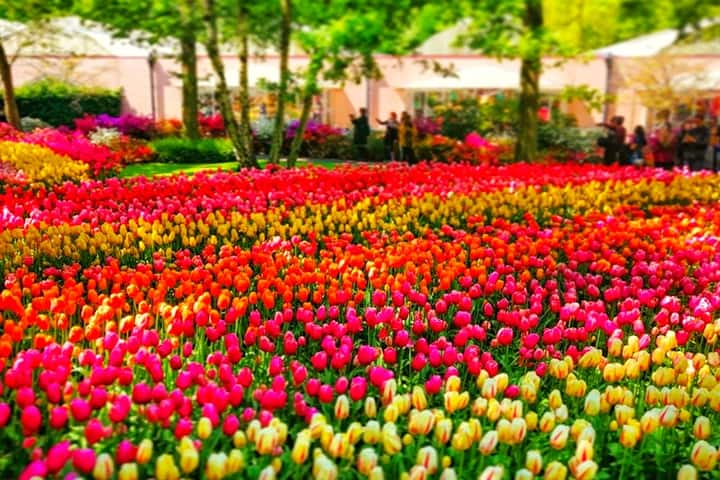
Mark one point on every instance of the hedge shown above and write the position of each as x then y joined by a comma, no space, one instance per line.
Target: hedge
183,150
58,103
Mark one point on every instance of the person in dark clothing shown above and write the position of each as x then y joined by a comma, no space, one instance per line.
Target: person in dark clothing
408,137
637,147
662,143
390,139
614,143
361,132
694,140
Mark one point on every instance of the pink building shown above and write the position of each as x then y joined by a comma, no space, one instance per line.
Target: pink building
88,55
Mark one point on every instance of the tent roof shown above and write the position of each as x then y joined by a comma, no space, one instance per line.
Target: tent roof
70,36
444,42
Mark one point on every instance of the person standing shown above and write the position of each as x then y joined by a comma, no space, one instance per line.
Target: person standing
361,132
614,143
390,139
694,139
662,144
407,136
637,146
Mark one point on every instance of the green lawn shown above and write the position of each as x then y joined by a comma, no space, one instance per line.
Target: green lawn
157,168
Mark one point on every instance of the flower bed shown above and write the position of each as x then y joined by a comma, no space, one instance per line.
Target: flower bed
440,320
35,164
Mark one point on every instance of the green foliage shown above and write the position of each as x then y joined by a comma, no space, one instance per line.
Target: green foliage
58,103
185,150
468,115
563,136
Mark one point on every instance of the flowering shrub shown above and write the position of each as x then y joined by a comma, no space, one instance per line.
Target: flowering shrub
171,127
73,144
474,150
127,124
441,320
321,140
211,125
37,164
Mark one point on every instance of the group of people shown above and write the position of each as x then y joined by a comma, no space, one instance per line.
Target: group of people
399,140
665,147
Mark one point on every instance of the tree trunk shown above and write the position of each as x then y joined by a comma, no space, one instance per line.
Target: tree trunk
279,130
244,88
300,132
223,92
309,91
12,114
527,136
188,60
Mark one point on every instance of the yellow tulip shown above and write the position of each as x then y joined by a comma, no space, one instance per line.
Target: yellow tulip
144,451
266,441
534,461
392,443
623,414
524,474
443,430
391,414
215,469
165,468
338,445
687,472
586,470
428,458
189,460
453,384
488,442
235,462
701,428
492,473
324,468
418,398
555,399
342,407
128,471
301,450
204,428
669,416
367,460
376,474
629,436
267,473
547,422
531,420
104,467
559,437
372,433
370,407
555,471
704,456
584,451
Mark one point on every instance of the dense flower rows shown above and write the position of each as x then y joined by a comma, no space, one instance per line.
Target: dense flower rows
24,163
441,321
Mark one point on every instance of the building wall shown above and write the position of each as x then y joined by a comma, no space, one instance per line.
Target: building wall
392,93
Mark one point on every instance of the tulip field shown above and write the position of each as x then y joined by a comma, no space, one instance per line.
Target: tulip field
437,321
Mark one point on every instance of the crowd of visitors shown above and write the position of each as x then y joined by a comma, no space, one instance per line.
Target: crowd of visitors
689,146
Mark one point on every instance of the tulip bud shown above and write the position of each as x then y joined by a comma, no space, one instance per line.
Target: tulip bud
592,403
204,428
687,472
555,399
623,414
488,442
524,474
669,416
418,399
704,456
443,430
629,435
555,471
338,445
370,407
301,450
267,473
324,468
104,467
235,462
342,407
584,451
165,468
266,441
189,460
144,451
428,458
531,420
215,468
492,473
650,421
547,422
701,428
372,433
586,470
421,423
559,437
533,461
391,414
128,471
377,473
392,443
367,460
